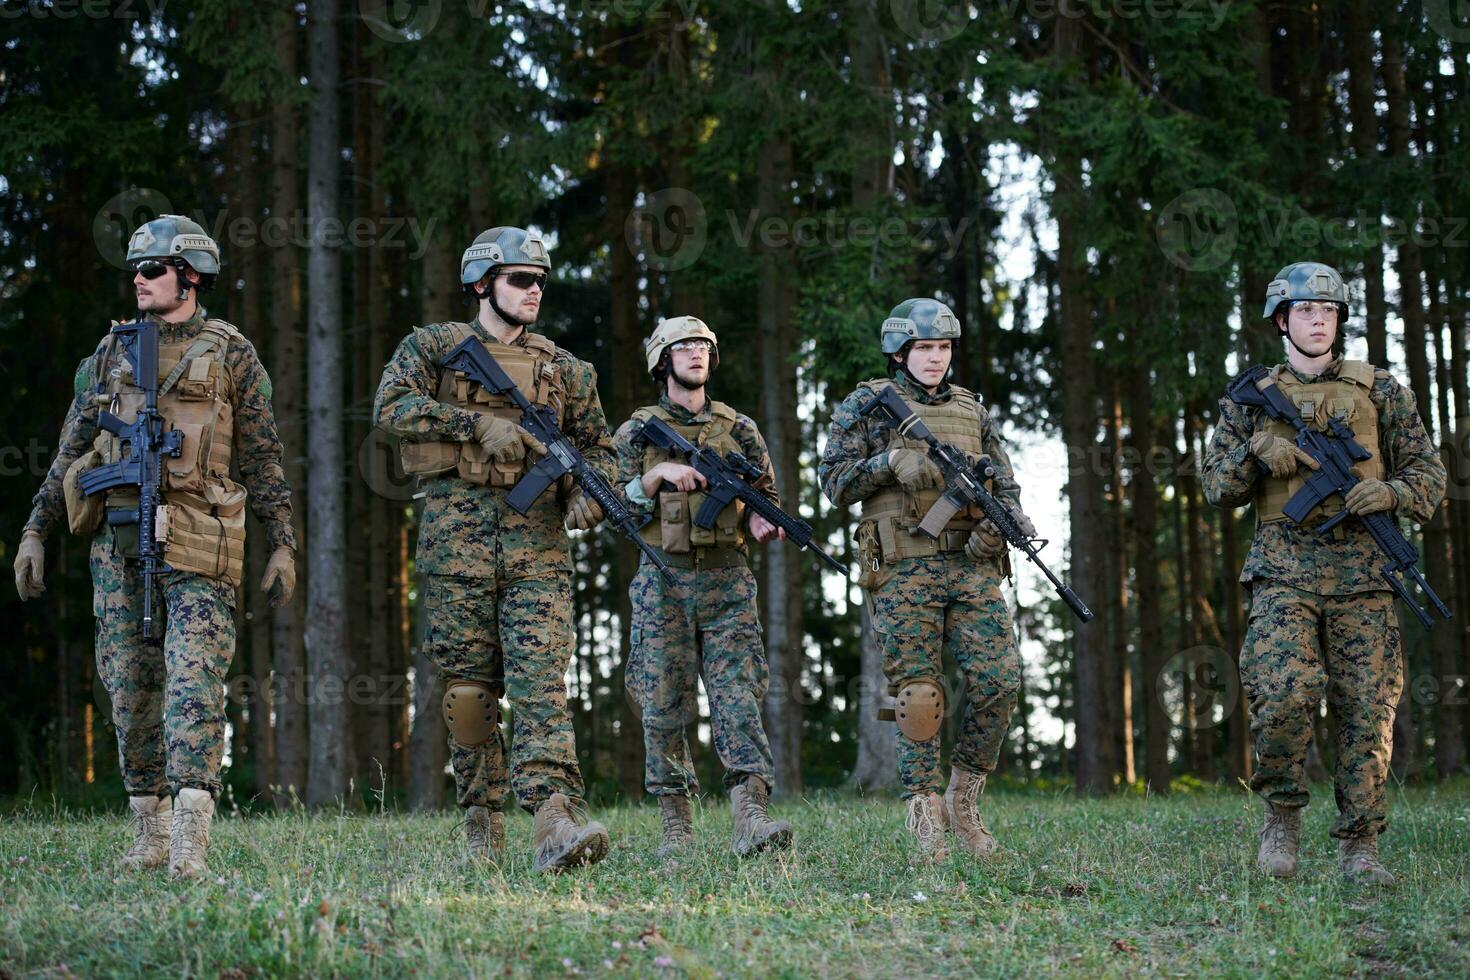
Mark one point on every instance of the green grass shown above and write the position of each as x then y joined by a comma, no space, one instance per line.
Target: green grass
1118,886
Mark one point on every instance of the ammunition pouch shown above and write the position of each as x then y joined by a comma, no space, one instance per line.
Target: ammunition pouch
83,512
204,533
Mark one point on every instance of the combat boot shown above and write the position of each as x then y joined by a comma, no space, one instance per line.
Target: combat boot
153,821
754,829
190,840
484,833
962,809
1358,859
562,840
1280,836
678,822
927,823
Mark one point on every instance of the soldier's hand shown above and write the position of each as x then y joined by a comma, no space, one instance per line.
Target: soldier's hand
763,530
1370,497
583,513
913,469
504,441
279,580
985,542
1280,456
30,566
681,476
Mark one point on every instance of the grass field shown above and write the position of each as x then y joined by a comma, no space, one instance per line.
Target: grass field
1118,886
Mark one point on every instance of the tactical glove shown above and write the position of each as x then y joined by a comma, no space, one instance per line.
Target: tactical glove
913,469
1280,456
1370,497
280,576
503,440
582,513
30,566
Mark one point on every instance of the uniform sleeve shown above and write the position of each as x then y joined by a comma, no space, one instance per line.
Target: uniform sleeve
1230,472
1004,485
584,422
406,405
753,445
1416,471
851,470
630,468
258,447
78,432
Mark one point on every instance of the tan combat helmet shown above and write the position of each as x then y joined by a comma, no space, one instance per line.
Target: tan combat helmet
675,329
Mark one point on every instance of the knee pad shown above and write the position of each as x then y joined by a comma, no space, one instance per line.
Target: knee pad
471,711
919,709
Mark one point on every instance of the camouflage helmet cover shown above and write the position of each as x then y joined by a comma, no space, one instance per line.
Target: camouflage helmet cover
918,319
676,329
171,236
502,246
1305,281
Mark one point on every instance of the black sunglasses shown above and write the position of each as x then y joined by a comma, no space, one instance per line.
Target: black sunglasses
525,280
151,268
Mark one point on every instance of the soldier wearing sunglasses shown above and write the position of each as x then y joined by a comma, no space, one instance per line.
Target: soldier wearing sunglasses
168,692
499,583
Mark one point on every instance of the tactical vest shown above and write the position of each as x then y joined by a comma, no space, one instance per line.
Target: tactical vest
673,530
529,366
202,523
1345,397
890,520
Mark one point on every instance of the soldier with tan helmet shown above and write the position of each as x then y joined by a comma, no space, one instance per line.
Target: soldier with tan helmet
498,600
168,694
926,595
702,619
1322,619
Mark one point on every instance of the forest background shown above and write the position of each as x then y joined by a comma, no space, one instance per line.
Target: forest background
1100,190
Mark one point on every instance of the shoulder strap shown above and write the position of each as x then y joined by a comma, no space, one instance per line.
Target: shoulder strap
214,337
539,343
723,411
1359,373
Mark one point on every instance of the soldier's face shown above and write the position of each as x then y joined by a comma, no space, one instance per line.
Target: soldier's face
524,305
159,295
928,361
690,367
1313,327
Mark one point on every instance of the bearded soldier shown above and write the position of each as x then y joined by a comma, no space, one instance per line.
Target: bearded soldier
168,694
927,595
498,599
1322,620
702,620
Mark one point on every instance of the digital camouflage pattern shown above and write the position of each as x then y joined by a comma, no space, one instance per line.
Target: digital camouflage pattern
704,624
257,447
499,595
1322,621
168,696
1348,562
514,636
1300,647
468,529
922,607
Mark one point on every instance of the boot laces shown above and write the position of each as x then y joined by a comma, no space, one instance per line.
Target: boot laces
146,826
191,828
1280,830
967,804
1362,851
921,821
675,823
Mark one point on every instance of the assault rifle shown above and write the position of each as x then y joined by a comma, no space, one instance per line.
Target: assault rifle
1335,451
728,478
144,444
965,485
562,458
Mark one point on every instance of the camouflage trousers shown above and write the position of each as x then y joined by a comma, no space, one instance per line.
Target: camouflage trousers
703,625
515,636
1301,646
168,694
922,607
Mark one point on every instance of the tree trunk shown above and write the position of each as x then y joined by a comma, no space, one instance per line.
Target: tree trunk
1119,674
326,632
1361,88
1146,577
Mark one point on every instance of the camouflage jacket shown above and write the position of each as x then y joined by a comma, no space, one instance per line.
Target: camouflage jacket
469,529
1347,561
855,463
257,449
630,452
